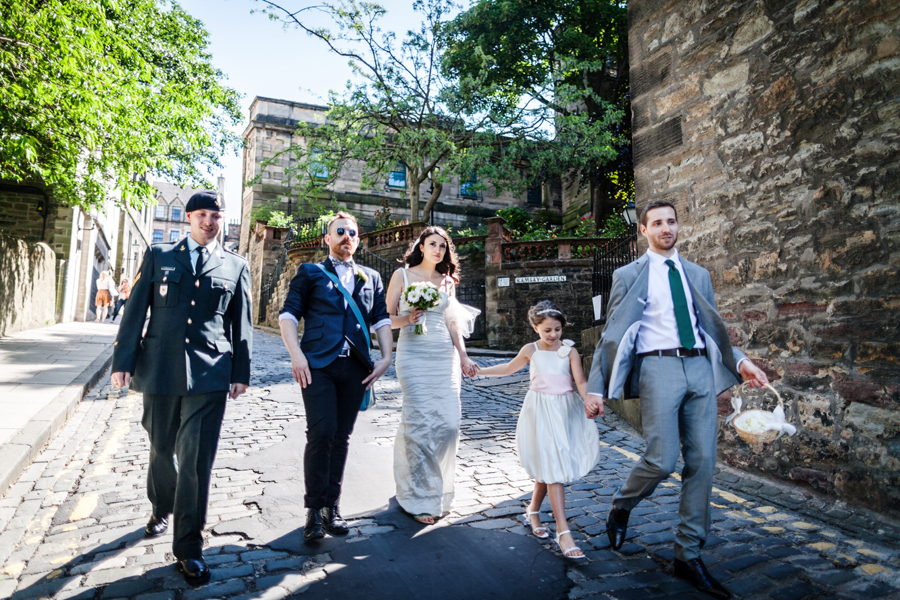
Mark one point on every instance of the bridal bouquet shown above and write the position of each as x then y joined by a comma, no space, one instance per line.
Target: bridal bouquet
422,295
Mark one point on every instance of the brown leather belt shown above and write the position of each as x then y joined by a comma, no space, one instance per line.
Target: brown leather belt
679,352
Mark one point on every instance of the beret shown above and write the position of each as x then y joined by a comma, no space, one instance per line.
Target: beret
205,201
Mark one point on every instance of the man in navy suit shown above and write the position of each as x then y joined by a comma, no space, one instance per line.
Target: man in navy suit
332,364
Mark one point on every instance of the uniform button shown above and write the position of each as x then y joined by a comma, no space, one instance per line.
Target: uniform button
187,341
197,284
226,287
164,279
189,321
193,303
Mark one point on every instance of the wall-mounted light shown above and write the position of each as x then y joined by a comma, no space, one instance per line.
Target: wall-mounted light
629,213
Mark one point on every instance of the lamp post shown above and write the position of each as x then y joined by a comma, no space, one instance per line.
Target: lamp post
629,213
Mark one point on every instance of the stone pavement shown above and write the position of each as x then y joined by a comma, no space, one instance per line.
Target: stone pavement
44,373
71,527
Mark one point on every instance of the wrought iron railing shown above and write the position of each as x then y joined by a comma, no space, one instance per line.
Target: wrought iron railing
373,261
607,257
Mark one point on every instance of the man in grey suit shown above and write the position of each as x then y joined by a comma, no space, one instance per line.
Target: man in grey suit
665,341
194,354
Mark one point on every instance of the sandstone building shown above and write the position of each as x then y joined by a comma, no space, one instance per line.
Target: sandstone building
775,129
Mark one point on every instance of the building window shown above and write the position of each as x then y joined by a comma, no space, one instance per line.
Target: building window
535,195
174,236
160,213
317,168
397,177
157,236
176,213
466,188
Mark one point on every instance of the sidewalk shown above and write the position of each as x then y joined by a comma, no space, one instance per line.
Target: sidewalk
44,374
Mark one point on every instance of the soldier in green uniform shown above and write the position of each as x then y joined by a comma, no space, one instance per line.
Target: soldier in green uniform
194,354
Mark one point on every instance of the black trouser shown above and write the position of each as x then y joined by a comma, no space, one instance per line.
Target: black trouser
184,435
119,304
332,402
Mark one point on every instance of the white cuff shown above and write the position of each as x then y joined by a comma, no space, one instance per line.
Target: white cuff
288,317
738,366
598,395
381,324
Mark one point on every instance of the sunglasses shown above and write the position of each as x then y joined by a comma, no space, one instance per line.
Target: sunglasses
341,231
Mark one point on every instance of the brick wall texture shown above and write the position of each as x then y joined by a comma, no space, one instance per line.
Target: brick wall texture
775,129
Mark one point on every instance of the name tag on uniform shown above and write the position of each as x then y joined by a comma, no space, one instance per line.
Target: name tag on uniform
163,289
167,268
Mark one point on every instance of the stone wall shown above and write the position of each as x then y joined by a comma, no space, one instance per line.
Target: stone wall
265,252
28,286
775,129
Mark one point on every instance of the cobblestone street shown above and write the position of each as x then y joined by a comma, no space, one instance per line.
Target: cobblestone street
72,525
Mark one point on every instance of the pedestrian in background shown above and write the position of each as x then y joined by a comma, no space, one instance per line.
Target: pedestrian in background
556,440
103,299
124,292
665,342
195,355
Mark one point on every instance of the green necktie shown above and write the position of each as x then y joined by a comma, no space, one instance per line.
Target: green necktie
682,316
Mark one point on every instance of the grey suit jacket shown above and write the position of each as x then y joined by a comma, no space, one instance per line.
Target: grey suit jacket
613,373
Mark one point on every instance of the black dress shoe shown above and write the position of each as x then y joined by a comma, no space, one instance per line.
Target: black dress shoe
315,526
334,522
617,526
695,573
156,526
195,571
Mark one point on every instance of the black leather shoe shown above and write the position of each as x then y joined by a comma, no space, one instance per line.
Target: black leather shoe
695,573
617,526
334,522
195,571
156,526
315,527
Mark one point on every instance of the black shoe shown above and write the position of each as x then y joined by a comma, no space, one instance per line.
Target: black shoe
334,522
617,526
315,527
156,526
695,573
195,571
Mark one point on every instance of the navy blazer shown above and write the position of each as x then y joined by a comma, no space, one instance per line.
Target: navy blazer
314,297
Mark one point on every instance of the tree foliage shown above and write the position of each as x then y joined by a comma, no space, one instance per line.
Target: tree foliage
572,57
402,110
96,93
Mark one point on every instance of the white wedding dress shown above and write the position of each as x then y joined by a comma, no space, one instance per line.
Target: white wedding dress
429,372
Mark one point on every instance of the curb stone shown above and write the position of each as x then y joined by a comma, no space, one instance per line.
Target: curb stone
22,448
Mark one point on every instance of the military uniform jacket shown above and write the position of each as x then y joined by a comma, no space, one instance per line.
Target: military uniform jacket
199,337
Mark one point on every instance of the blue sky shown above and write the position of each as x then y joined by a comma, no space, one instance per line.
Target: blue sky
262,59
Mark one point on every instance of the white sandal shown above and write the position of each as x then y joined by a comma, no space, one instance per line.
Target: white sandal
566,553
541,532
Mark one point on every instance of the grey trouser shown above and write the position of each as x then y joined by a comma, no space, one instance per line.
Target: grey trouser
678,404
184,435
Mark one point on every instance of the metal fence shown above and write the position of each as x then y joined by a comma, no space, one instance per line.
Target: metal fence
472,292
373,261
615,253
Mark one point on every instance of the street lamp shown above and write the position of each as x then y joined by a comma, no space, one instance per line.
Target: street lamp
629,213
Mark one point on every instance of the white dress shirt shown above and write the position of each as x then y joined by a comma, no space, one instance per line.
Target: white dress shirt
193,245
659,329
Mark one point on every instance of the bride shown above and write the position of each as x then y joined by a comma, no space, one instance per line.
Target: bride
428,367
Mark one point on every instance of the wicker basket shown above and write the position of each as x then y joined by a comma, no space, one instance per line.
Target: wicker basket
753,437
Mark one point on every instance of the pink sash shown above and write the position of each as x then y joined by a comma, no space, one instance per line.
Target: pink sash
552,383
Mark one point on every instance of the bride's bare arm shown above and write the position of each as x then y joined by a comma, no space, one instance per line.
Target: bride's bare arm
392,299
512,366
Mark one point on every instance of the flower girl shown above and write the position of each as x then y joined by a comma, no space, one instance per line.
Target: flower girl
557,442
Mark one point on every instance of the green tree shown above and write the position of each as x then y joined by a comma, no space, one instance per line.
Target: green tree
570,56
401,113
95,94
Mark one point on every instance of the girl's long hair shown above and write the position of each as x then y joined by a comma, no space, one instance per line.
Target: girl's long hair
449,266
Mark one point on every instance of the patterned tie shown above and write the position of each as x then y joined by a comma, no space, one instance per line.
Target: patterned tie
336,261
682,316
199,264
